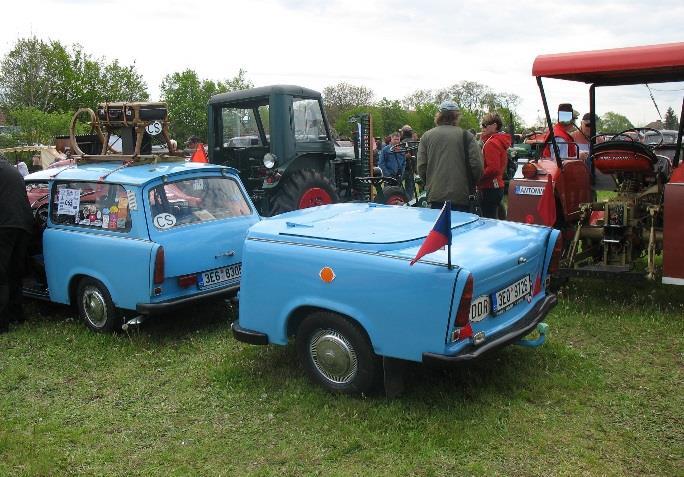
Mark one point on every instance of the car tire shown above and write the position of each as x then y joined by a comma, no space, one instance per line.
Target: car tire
95,306
302,189
394,195
337,354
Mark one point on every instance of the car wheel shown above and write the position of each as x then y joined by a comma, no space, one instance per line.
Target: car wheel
394,195
337,354
302,189
95,306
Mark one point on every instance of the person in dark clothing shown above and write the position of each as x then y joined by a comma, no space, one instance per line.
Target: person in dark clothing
410,170
16,225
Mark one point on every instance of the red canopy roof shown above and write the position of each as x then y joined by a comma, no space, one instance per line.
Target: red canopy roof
639,64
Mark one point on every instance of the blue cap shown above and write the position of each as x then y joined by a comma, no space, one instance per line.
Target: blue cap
448,106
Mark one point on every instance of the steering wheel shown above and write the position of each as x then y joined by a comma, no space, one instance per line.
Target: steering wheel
621,135
41,216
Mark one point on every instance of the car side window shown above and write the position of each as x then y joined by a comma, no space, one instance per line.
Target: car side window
91,205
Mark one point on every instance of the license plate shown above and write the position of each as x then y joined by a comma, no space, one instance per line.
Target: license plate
511,295
220,276
480,308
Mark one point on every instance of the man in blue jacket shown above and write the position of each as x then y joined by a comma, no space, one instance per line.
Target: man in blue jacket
391,162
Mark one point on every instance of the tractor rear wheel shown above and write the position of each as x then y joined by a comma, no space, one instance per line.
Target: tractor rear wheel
302,189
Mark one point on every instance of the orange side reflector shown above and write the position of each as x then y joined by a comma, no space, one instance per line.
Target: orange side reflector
327,274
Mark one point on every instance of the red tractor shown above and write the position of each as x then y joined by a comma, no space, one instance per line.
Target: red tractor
623,235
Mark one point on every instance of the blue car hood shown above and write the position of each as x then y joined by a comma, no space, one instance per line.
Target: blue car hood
399,231
359,223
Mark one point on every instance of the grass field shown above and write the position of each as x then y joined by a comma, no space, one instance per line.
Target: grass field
180,396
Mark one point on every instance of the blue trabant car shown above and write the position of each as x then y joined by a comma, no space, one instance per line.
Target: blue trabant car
349,296
136,239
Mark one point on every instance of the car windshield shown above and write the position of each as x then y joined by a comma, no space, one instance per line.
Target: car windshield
196,200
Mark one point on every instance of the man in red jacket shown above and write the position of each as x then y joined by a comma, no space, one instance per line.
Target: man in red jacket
495,154
561,130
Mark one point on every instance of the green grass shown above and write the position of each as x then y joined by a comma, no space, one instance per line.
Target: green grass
182,397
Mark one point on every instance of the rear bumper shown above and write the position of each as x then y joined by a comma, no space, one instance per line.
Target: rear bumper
248,336
166,306
522,327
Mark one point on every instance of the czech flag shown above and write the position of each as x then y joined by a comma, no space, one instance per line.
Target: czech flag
547,204
199,155
439,236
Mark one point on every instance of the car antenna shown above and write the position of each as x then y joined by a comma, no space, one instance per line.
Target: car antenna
654,101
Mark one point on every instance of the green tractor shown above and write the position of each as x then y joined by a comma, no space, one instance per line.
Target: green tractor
279,140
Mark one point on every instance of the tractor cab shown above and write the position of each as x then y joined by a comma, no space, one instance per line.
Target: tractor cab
641,166
279,140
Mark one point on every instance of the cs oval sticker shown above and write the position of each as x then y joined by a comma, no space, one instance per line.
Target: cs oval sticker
164,221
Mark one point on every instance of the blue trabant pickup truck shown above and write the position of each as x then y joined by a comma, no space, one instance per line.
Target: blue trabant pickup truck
121,238
353,302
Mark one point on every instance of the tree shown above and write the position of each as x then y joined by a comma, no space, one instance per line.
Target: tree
671,120
187,96
613,122
344,96
33,74
50,77
38,127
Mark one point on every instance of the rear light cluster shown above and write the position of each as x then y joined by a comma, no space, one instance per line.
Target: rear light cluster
463,329
159,266
186,281
554,265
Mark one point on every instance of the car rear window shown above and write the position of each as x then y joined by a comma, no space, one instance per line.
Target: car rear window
91,205
196,200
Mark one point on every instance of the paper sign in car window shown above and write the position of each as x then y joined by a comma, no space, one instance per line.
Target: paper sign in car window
68,201
132,202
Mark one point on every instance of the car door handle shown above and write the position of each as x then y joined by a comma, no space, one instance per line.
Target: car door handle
229,253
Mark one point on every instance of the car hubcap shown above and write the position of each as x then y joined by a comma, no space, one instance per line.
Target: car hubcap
313,197
94,307
333,356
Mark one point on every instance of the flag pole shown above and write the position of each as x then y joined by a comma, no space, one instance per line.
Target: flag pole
447,205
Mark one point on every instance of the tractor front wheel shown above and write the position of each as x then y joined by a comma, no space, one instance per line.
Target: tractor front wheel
302,189
394,195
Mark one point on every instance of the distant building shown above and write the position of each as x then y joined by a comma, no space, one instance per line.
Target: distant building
656,125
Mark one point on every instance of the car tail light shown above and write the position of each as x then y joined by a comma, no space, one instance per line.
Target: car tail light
537,286
185,281
159,266
530,171
463,328
554,266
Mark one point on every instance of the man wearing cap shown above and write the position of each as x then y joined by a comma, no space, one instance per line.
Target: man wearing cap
561,130
16,225
442,162
582,135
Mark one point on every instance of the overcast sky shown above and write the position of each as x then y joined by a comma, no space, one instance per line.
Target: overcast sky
393,47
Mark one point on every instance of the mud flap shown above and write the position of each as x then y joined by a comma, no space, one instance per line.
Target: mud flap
542,329
393,371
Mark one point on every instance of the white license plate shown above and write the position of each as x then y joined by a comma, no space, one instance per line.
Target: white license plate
480,308
512,294
220,276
